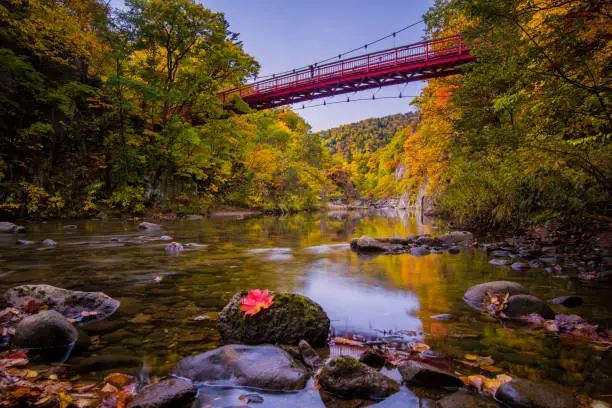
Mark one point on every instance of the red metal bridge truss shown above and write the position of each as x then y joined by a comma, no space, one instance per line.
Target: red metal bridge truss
403,64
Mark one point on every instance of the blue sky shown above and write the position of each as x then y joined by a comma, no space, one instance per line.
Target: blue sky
287,34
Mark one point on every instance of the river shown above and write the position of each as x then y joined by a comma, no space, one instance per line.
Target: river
169,302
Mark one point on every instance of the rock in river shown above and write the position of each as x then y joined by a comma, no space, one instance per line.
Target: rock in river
520,393
149,226
368,244
348,378
309,356
475,295
291,318
45,330
463,238
523,305
568,301
67,302
175,392
9,227
419,251
500,262
418,373
265,367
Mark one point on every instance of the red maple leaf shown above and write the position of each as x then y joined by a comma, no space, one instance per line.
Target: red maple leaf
255,301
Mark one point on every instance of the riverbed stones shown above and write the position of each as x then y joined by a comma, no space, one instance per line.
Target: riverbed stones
309,356
25,242
523,305
266,367
348,378
291,318
174,247
474,296
149,226
69,303
520,393
45,330
457,238
171,393
419,373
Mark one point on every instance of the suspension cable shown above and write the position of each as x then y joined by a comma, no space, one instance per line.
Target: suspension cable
343,54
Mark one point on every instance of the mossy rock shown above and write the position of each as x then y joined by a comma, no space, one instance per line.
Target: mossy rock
348,378
291,318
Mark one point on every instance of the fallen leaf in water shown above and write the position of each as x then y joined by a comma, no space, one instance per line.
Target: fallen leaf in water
479,361
491,369
255,301
591,275
118,380
158,278
418,347
342,340
482,383
64,399
109,389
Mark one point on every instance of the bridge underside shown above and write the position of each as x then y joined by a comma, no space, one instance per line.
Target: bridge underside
358,82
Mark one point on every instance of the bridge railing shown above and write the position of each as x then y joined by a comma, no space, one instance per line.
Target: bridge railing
376,61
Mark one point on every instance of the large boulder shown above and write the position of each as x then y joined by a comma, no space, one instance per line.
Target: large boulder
523,305
475,295
457,238
348,378
418,373
520,393
291,318
69,303
266,367
172,393
46,329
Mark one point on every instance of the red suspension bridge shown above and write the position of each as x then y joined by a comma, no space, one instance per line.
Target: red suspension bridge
414,62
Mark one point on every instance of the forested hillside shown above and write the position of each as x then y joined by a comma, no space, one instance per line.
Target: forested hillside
103,109
364,136
523,136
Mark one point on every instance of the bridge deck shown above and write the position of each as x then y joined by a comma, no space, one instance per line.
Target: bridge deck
407,63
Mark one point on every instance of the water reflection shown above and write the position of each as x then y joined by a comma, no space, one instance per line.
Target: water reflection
355,306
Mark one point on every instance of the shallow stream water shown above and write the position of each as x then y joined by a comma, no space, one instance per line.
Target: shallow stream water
162,295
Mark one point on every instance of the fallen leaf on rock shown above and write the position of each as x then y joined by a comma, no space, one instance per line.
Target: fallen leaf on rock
495,303
85,313
255,301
